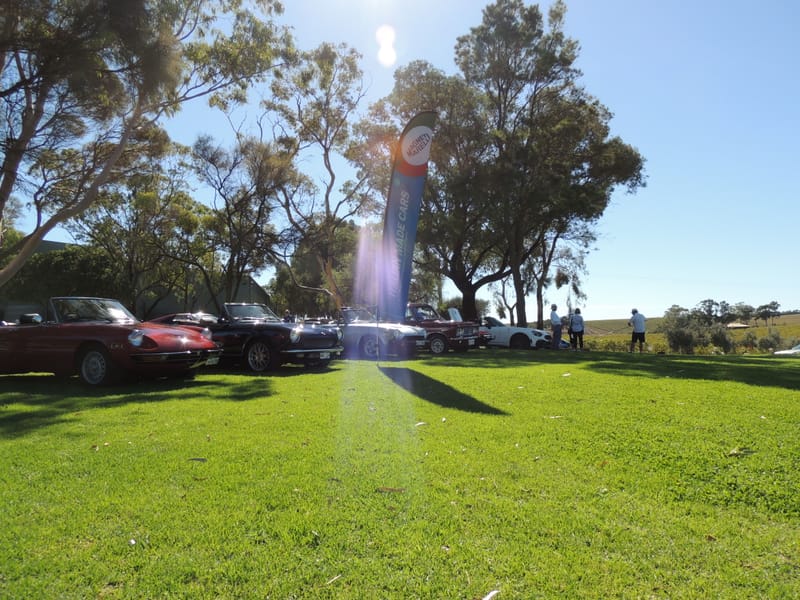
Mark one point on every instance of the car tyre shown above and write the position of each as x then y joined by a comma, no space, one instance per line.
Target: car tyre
438,344
369,347
95,366
259,356
519,341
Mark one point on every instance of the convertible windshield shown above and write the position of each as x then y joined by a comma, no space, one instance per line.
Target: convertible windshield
251,312
423,313
352,315
68,310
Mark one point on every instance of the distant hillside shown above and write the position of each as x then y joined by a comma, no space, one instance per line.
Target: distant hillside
787,325
617,326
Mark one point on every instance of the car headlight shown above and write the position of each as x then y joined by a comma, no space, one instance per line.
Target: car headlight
136,337
294,336
206,333
339,334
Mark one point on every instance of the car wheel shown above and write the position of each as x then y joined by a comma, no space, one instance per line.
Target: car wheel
95,366
438,344
519,341
259,356
368,347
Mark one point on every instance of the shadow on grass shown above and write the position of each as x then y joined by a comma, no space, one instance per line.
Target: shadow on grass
436,392
43,400
764,371
761,370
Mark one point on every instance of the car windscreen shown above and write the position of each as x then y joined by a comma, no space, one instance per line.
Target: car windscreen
91,309
356,315
251,312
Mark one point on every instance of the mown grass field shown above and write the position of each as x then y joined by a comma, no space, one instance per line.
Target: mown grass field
530,474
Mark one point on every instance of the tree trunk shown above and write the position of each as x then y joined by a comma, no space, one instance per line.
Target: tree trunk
469,309
519,292
539,305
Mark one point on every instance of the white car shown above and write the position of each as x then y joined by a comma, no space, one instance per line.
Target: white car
365,336
794,351
509,336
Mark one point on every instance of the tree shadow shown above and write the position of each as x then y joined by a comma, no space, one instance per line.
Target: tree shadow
766,371
757,370
44,400
435,392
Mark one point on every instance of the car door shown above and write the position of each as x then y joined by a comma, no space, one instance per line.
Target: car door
502,335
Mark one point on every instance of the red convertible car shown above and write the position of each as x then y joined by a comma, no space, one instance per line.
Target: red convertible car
100,340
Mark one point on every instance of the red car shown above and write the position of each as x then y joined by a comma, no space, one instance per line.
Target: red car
442,334
100,340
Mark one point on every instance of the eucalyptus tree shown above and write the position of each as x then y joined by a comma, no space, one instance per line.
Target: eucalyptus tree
81,81
554,159
296,286
246,181
314,107
134,221
454,239
522,155
72,270
559,259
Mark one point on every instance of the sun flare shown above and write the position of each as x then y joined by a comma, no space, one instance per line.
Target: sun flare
385,36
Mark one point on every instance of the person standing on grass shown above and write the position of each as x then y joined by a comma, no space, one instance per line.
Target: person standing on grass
555,326
576,327
637,321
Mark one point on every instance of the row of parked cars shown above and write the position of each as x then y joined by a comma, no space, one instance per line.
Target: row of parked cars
102,341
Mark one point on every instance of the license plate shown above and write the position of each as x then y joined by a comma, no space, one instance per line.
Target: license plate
420,343
471,343
213,360
324,355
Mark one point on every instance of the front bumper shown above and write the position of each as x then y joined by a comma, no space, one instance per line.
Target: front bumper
187,359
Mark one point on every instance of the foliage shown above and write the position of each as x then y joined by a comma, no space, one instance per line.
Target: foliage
704,327
313,107
297,289
435,478
137,222
522,154
72,271
84,83
240,229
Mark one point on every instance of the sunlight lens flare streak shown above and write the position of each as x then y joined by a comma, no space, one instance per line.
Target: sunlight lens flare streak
385,36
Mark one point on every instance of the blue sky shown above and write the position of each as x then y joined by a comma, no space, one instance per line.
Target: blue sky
706,90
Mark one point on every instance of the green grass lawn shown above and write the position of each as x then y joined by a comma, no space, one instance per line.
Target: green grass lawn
533,474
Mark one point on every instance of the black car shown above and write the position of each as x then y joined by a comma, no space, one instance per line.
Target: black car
253,335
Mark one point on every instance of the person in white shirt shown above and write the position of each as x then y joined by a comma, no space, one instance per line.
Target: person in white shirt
555,326
576,329
637,321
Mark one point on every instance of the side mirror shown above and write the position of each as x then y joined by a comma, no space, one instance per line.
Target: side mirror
31,319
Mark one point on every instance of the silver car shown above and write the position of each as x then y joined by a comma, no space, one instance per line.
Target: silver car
367,337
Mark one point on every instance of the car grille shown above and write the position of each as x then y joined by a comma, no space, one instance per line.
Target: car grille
316,342
186,357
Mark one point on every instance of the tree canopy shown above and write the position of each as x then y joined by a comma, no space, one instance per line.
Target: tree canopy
84,81
523,155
